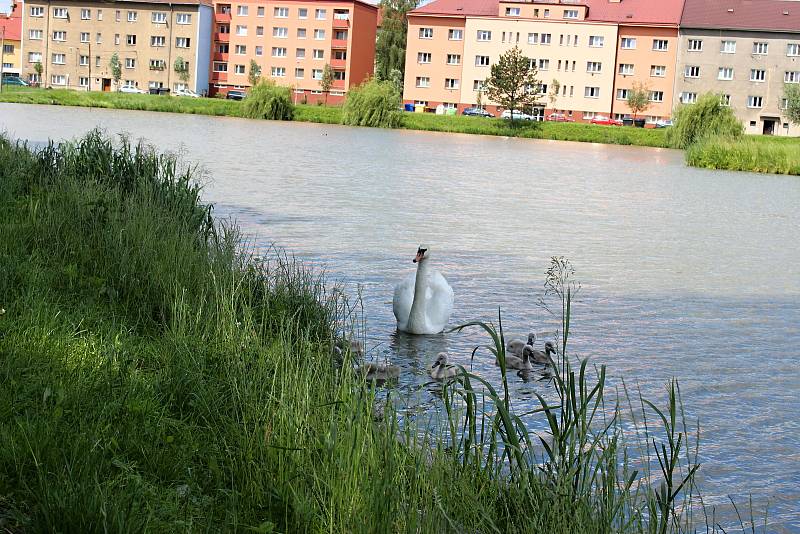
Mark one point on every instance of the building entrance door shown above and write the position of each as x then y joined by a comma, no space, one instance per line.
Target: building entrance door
769,127
106,84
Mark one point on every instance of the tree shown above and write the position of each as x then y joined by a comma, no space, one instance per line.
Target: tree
39,69
390,49
512,83
638,98
327,80
254,74
555,87
706,118
116,68
182,69
791,92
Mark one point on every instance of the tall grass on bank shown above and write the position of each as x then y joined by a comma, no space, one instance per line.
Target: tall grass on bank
159,378
746,154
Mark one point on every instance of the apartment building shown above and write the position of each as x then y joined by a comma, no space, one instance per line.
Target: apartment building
745,50
452,45
75,40
10,42
292,41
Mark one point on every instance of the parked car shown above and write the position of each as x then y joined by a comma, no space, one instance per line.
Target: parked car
519,115
559,117
128,88
663,123
476,112
14,80
186,92
236,95
605,121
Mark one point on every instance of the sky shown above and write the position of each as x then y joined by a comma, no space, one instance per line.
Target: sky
5,6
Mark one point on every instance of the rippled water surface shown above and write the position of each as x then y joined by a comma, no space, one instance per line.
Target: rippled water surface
685,272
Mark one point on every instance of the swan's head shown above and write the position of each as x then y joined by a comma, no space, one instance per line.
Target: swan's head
422,254
531,338
441,360
549,347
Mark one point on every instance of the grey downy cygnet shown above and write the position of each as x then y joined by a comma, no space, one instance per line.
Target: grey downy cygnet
441,369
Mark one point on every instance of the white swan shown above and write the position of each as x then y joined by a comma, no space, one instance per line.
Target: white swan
423,302
516,346
441,369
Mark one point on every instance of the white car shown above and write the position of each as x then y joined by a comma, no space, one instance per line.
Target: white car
186,92
519,115
127,88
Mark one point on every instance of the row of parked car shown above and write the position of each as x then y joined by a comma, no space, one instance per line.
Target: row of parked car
554,117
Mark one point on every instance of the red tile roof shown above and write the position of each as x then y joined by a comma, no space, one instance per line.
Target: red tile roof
459,8
660,12
780,15
11,27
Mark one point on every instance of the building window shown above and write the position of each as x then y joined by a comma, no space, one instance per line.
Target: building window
60,13
791,77
451,83
183,18
220,67
688,98
622,94
84,37
546,39
596,41
423,81
319,35
758,75
544,64
478,85
760,48
455,35
626,69
280,32
241,30
59,59
130,40
59,36
36,35
570,13
754,101
594,66
278,51
656,96
99,38
423,57
533,38
83,81
725,73
34,57
316,74
420,102
240,50
158,40
238,69
158,64
83,61
512,12
591,92
86,14
301,33
302,13
130,63
340,35
793,49
628,43
426,33
318,53
725,100
546,13
183,42
320,14
484,35
259,31
454,59
658,71
728,47
691,71
159,17
281,12
299,73
133,16
695,45
300,53
242,11
259,50
660,45
37,11
482,61
58,79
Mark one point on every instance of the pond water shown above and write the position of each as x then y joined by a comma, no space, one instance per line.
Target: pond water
685,273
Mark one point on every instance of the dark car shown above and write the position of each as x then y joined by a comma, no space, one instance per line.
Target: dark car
476,112
14,80
235,95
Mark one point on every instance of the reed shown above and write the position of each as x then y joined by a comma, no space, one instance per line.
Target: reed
766,155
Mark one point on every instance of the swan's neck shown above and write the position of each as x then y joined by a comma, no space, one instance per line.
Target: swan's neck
417,318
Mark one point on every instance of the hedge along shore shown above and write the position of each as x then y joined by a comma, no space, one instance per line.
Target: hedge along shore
159,378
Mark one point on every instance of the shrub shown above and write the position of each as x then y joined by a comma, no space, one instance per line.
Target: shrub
373,103
268,101
707,117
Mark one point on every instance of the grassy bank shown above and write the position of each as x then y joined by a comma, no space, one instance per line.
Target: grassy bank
755,154
157,378
332,115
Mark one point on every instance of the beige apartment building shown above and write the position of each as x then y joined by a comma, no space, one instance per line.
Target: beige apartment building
745,50
292,41
75,40
452,45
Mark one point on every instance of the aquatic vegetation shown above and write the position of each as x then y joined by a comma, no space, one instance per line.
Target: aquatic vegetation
754,154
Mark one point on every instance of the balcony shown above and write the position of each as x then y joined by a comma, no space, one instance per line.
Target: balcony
219,76
222,37
339,43
338,84
220,56
222,17
341,22
338,64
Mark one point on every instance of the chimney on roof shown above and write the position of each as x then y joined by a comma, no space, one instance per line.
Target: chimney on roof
730,10
614,1
785,12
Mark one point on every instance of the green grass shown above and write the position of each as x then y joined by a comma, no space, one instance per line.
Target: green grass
157,377
752,153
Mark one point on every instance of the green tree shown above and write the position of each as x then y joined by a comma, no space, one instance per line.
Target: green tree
254,74
38,68
116,68
791,92
269,101
182,69
638,98
373,103
512,83
555,87
327,80
390,49
705,118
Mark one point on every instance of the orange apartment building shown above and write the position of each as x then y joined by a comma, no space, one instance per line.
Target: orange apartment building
292,41
595,49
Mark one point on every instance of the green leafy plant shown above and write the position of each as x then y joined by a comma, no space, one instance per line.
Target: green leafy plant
116,68
390,47
182,69
254,73
706,118
269,101
512,83
326,82
791,92
638,98
373,103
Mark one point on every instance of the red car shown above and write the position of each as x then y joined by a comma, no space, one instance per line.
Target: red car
605,121
559,117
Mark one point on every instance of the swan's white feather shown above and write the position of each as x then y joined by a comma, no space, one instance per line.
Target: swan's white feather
439,302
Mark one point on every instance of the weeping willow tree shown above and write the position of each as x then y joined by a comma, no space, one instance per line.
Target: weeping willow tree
373,103
390,50
268,101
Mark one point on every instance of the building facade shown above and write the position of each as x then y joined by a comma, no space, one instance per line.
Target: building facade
745,50
74,41
11,42
291,42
